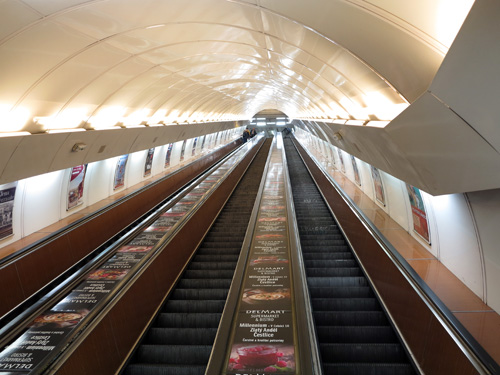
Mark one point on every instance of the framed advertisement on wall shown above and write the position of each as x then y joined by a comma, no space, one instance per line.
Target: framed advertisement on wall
357,177
342,165
121,164
75,186
7,195
183,150
167,155
148,165
378,186
193,150
419,214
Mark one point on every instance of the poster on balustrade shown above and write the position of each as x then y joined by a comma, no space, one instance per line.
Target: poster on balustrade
148,165
167,155
193,150
121,165
378,186
7,194
357,177
419,214
183,150
75,186
342,165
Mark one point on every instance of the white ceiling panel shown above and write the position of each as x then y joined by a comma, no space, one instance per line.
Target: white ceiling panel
16,16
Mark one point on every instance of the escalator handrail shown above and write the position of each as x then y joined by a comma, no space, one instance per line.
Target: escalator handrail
306,330
5,261
476,354
219,348
9,332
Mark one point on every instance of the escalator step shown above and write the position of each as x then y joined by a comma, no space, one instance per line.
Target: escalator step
326,255
337,281
181,336
175,354
189,306
345,292
334,272
191,320
330,263
363,353
368,369
344,304
200,283
163,369
350,318
205,294
195,265
352,334
209,274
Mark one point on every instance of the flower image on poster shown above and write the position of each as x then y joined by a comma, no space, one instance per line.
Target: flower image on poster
377,184
419,215
121,164
7,195
75,186
193,150
357,177
148,165
168,154
183,149
342,165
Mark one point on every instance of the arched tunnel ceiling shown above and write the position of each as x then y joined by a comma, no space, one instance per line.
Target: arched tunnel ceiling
84,65
104,62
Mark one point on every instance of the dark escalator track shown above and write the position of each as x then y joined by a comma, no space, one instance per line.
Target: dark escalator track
354,334
180,340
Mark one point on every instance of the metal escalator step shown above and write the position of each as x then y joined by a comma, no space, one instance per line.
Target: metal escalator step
190,320
337,281
327,255
174,354
195,265
356,334
312,263
200,283
201,294
209,274
345,304
189,306
341,292
368,369
334,272
350,318
216,258
363,353
163,369
181,336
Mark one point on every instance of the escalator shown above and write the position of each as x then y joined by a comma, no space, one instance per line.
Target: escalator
179,342
354,334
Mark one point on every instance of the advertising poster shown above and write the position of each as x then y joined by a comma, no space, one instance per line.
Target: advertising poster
357,177
7,194
167,155
148,165
203,142
193,150
264,342
75,186
377,184
183,150
342,165
420,223
121,164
